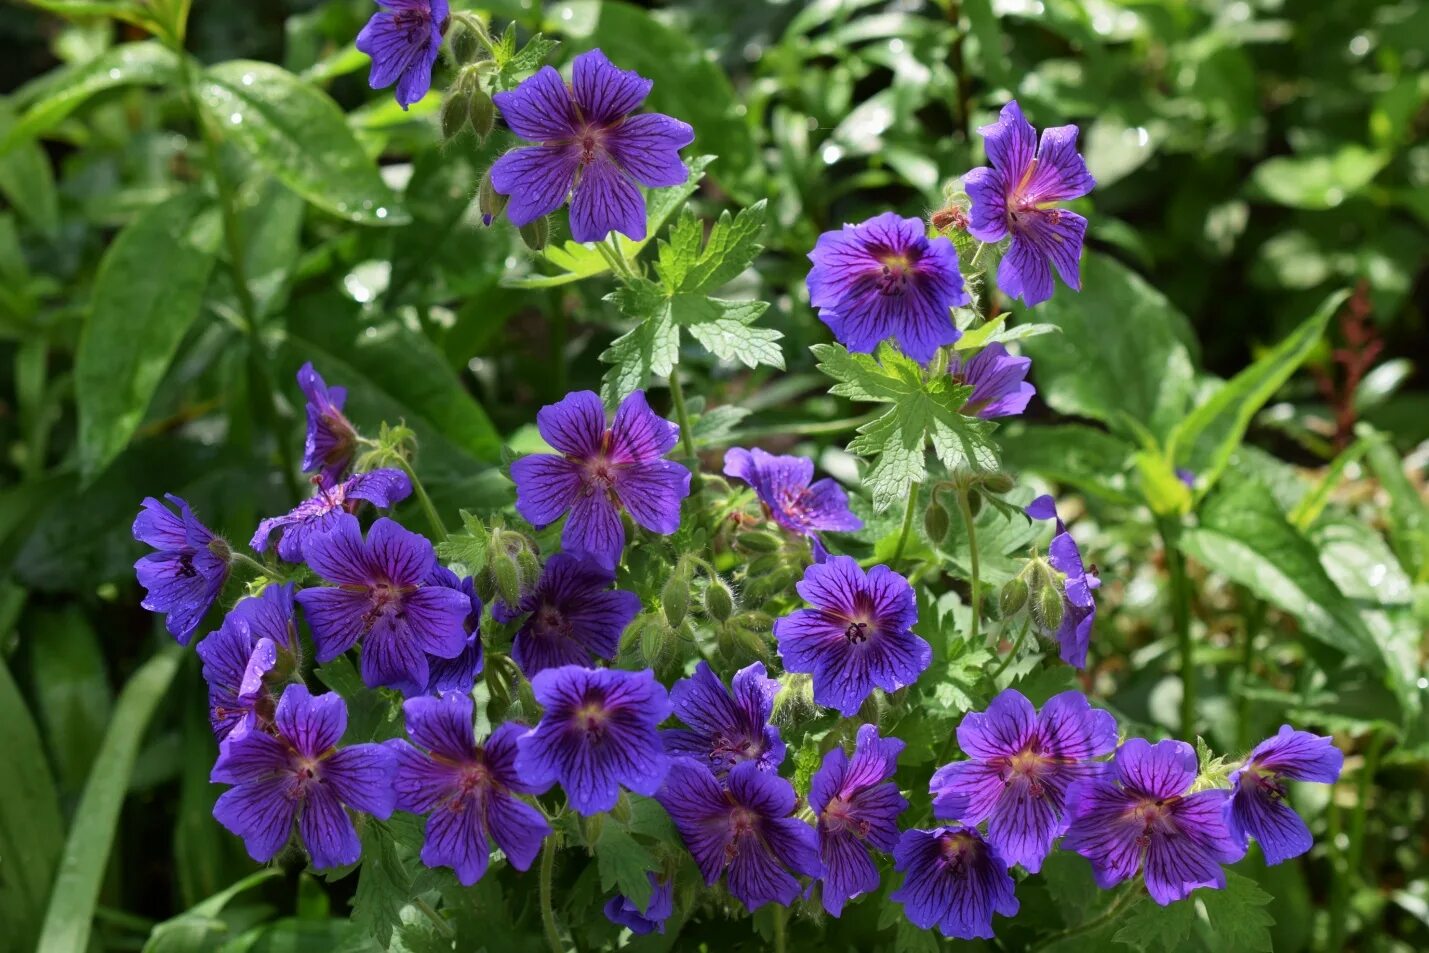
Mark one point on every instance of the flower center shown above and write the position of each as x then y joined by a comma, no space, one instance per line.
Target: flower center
549,621
726,750
742,821
386,598
589,141
590,718
474,777
413,23
1267,781
1155,815
186,566
1026,764
856,633
959,850
838,815
896,274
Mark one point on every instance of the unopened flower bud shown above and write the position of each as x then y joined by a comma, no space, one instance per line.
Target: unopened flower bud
936,522
507,575
536,234
758,541
482,114
491,202
651,639
1047,608
675,598
998,482
529,567
719,601
1013,597
466,47
455,110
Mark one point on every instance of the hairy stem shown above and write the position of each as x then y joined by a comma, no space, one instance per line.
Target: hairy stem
907,529
1012,652
965,508
548,913
1181,614
781,929
439,529
687,434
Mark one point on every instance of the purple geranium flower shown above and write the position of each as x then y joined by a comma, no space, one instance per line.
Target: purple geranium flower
743,825
1257,805
597,733
590,148
403,40
622,910
379,595
1141,810
467,790
726,728
885,278
299,772
857,806
187,573
1022,765
318,514
331,437
858,635
572,616
1079,609
1015,196
241,655
998,380
457,674
599,470
952,879
790,498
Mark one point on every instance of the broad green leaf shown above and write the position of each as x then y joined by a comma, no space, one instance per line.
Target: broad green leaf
725,329
1124,351
623,863
922,412
1237,915
649,349
988,32
1151,928
385,884
296,132
72,697
31,828
139,315
1318,182
577,261
1408,513
394,374
51,98
730,249
26,179
86,853
1089,459
1245,535
199,928
1206,438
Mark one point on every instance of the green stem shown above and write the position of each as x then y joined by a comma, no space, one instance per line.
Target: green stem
1254,619
260,378
1012,653
1181,614
548,913
253,564
781,929
682,416
438,921
818,428
617,257
1354,854
1127,893
965,508
423,500
907,528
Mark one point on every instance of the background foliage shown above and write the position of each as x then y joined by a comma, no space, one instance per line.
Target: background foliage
1252,158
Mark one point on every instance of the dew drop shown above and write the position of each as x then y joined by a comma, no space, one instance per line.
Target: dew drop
115,74
236,119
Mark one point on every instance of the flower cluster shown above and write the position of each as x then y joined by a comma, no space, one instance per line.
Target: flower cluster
711,752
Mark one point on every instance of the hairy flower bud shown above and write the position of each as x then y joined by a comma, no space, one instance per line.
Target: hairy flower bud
719,601
998,482
455,110
466,46
758,541
536,234
507,575
1013,597
1047,607
675,598
482,114
490,202
936,522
